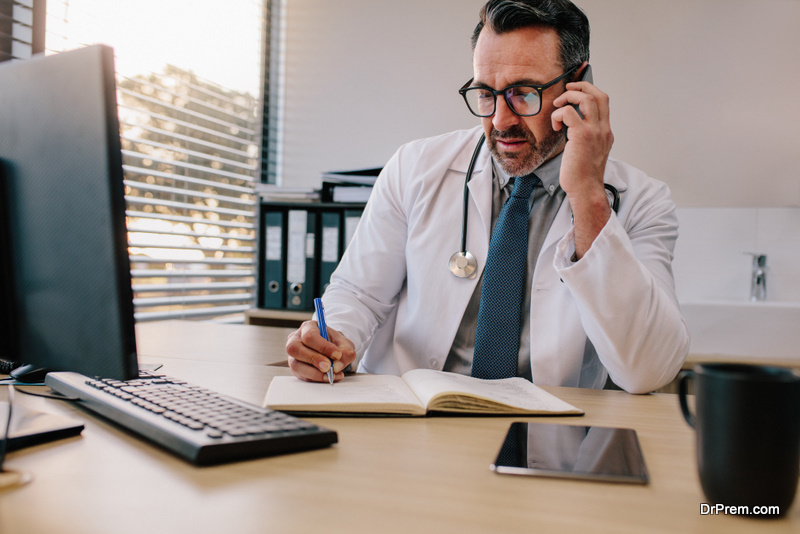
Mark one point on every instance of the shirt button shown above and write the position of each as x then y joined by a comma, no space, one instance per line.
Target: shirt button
552,188
434,363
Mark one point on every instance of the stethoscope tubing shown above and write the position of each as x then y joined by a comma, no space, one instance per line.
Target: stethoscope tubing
465,215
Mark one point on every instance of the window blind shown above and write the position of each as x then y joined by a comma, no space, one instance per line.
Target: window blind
21,28
191,152
190,159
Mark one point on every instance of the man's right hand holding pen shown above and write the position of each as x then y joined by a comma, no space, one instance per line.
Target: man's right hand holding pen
310,356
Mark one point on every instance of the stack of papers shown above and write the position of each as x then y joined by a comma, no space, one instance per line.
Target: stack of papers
276,193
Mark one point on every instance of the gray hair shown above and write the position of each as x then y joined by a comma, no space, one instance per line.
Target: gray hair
571,24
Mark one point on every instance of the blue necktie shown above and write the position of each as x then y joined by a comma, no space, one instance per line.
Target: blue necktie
500,312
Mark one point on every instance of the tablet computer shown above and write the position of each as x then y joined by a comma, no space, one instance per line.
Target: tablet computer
574,452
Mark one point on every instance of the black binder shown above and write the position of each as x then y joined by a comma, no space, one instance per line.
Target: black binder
273,278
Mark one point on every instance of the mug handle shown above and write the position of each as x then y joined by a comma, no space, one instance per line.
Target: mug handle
683,391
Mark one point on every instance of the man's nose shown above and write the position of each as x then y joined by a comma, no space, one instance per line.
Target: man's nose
503,116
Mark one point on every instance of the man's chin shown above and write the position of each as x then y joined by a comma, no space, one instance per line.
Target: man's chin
516,164
521,164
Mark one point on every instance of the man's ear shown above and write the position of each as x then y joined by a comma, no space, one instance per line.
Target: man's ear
584,73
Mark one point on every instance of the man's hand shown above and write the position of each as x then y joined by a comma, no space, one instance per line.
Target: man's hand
310,356
585,157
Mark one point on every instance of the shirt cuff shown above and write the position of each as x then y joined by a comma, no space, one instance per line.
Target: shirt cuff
565,256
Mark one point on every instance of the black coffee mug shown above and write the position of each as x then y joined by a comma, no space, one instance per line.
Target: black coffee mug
747,421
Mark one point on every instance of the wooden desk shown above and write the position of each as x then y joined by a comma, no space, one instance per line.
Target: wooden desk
282,318
386,475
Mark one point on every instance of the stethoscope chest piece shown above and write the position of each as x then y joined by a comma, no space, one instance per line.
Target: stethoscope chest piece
463,264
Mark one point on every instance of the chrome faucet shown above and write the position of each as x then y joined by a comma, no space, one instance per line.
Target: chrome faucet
758,283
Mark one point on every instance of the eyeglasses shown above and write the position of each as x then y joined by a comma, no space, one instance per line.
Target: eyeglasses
524,100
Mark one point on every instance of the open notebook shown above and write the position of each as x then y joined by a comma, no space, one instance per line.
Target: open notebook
417,392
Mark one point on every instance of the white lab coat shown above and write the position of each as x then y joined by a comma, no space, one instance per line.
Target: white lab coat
394,296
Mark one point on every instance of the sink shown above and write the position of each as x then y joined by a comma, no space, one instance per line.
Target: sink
757,330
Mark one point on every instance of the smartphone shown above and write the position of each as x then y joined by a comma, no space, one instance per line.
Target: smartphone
585,77
575,452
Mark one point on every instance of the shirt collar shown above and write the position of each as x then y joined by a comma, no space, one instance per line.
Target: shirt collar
548,172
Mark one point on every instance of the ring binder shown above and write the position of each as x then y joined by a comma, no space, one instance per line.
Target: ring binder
301,244
300,259
274,285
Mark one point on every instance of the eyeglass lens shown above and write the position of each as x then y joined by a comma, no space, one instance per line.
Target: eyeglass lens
523,100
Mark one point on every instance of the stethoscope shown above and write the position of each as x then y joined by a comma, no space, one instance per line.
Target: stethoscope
462,263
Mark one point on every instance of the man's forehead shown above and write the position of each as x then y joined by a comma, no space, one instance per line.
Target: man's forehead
524,55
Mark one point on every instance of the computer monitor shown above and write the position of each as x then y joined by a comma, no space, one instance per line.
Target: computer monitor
67,302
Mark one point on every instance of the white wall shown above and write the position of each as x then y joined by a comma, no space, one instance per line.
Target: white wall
700,95
365,76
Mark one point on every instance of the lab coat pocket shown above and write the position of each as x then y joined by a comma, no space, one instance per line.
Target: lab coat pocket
545,276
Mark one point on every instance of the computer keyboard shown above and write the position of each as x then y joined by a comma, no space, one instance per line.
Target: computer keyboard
197,424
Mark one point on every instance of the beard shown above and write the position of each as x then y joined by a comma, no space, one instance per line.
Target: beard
526,162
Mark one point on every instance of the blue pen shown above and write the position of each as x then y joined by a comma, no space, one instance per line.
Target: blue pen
323,331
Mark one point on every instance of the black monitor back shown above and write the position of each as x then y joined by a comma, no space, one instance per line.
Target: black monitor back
67,303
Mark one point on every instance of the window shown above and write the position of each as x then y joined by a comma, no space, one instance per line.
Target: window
189,88
190,154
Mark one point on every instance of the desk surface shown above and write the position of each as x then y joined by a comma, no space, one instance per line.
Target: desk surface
385,475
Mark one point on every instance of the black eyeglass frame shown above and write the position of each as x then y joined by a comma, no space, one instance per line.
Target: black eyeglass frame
497,92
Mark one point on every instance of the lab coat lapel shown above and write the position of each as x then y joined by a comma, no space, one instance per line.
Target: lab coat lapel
561,225
480,209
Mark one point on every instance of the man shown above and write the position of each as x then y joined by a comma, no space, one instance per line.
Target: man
595,292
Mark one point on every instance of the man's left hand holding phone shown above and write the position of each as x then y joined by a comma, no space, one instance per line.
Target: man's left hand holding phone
311,356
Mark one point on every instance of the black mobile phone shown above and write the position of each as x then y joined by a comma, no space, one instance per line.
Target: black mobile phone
585,77
576,452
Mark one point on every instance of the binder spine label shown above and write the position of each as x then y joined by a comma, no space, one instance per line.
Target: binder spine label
330,244
310,241
273,243
296,255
